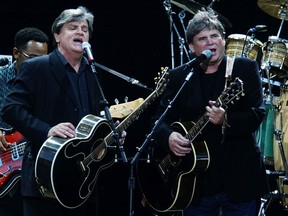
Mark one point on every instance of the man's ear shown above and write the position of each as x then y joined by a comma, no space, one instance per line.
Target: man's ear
16,53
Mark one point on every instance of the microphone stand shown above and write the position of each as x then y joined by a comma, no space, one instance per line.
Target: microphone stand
104,104
148,138
167,6
122,76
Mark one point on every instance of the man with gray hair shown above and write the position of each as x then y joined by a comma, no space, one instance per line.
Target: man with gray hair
50,97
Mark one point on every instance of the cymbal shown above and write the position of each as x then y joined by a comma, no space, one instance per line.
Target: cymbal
277,9
193,7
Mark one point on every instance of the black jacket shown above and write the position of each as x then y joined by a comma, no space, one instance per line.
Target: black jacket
236,165
42,97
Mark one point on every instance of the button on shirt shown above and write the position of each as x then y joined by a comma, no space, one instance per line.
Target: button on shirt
78,83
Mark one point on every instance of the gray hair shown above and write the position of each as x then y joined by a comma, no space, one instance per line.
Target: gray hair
203,20
71,15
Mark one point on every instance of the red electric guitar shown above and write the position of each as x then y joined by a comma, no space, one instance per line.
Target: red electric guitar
11,161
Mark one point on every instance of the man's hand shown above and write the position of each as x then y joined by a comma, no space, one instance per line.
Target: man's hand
63,130
3,142
215,114
178,144
123,134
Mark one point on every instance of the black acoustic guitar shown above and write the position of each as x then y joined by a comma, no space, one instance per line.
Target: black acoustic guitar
67,169
168,182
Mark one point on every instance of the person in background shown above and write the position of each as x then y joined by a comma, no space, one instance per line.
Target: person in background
234,178
29,42
51,95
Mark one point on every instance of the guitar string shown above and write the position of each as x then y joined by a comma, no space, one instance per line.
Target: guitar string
20,149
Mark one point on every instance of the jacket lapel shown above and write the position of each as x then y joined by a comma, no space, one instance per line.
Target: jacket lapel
61,76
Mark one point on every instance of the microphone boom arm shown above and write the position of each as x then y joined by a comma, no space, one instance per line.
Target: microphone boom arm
122,76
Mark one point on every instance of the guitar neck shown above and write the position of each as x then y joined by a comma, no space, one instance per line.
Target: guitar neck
198,127
133,116
203,121
160,87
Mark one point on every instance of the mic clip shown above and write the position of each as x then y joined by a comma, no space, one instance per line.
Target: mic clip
136,82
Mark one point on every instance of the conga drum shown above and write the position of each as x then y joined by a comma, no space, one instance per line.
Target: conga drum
238,45
275,55
281,125
265,133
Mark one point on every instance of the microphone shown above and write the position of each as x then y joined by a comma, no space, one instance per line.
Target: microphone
87,49
206,54
258,28
4,61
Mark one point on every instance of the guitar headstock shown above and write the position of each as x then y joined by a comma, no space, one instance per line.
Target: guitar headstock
161,80
122,110
233,92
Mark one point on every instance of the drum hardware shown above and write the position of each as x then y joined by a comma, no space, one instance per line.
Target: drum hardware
276,9
279,138
168,7
246,49
276,172
267,201
193,7
272,82
262,210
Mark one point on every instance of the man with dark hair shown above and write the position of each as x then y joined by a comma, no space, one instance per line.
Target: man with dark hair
29,42
233,176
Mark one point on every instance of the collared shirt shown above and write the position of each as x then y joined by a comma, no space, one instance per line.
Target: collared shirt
7,77
78,83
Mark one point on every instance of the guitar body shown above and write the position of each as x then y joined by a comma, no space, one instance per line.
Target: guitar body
168,182
175,177
65,168
11,162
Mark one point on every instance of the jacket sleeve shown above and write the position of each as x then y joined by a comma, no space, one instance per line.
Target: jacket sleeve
18,106
248,113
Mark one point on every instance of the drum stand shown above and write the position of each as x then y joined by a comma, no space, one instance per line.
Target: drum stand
279,137
247,48
275,194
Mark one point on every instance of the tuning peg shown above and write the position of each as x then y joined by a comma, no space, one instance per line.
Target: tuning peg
126,99
116,101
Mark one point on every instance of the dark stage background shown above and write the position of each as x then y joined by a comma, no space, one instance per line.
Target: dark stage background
133,38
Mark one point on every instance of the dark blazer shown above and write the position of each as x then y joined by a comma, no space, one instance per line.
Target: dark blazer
236,165
43,97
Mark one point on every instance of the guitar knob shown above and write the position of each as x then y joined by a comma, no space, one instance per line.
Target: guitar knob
148,158
116,158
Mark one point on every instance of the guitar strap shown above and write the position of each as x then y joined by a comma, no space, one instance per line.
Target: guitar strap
228,76
229,68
